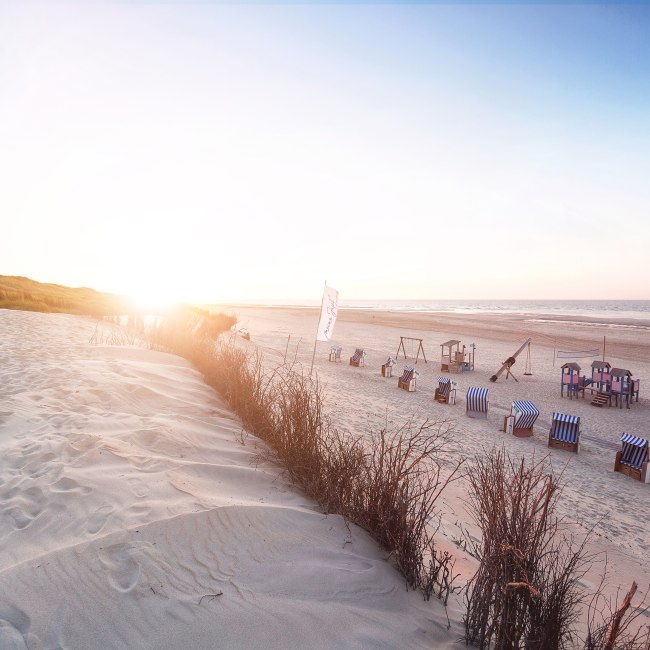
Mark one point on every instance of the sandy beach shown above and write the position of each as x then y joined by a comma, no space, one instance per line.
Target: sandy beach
361,401
133,513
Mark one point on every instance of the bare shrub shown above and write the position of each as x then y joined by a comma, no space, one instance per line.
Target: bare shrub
617,628
388,486
400,481
525,592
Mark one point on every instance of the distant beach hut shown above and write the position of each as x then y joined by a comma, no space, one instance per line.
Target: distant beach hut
633,458
477,402
357,359
572,380
565,432
523,415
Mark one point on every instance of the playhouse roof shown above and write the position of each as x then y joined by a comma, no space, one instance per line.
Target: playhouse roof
601,364
573,365
449,343
620,372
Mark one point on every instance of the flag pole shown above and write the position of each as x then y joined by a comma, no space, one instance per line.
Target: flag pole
322,302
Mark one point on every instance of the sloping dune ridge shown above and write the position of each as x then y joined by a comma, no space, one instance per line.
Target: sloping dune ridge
132,516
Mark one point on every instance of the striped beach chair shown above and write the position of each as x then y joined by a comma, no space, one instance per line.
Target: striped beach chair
565,432
357,359
387,368
477,402
445,393
633,458
523,414
335,353
408,380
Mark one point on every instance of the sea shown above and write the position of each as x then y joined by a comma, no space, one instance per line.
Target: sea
596,309
616,311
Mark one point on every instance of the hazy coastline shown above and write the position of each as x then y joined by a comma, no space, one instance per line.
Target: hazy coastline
624,338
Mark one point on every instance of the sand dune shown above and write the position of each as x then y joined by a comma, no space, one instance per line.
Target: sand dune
131,516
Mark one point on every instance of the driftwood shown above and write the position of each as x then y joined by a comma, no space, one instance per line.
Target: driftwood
616,622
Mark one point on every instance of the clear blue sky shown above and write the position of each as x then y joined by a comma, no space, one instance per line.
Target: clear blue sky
217,152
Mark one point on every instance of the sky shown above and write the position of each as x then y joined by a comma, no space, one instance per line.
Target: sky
214,152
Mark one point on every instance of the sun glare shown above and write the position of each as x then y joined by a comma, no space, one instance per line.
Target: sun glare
152,301
166,294
155,297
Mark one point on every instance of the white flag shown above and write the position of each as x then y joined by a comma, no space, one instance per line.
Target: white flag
328,314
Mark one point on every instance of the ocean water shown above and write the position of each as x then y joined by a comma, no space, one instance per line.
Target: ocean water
618,310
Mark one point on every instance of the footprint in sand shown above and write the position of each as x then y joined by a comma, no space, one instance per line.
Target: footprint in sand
66,484
42,466
138,487
20,518
15,460
123,570
14,628
98,519
23,505
10,637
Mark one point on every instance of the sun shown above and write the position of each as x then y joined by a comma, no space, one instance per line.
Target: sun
161,285
164,296
155,297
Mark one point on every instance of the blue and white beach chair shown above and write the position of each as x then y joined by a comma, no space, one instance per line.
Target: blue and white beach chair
633,458
523,415
565,432
387,368
335,353
477,402
408,380
446,391
357,359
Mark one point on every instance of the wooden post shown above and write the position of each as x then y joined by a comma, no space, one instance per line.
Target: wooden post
286,350
313,356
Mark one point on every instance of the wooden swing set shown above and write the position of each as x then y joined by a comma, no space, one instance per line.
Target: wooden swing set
411,342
